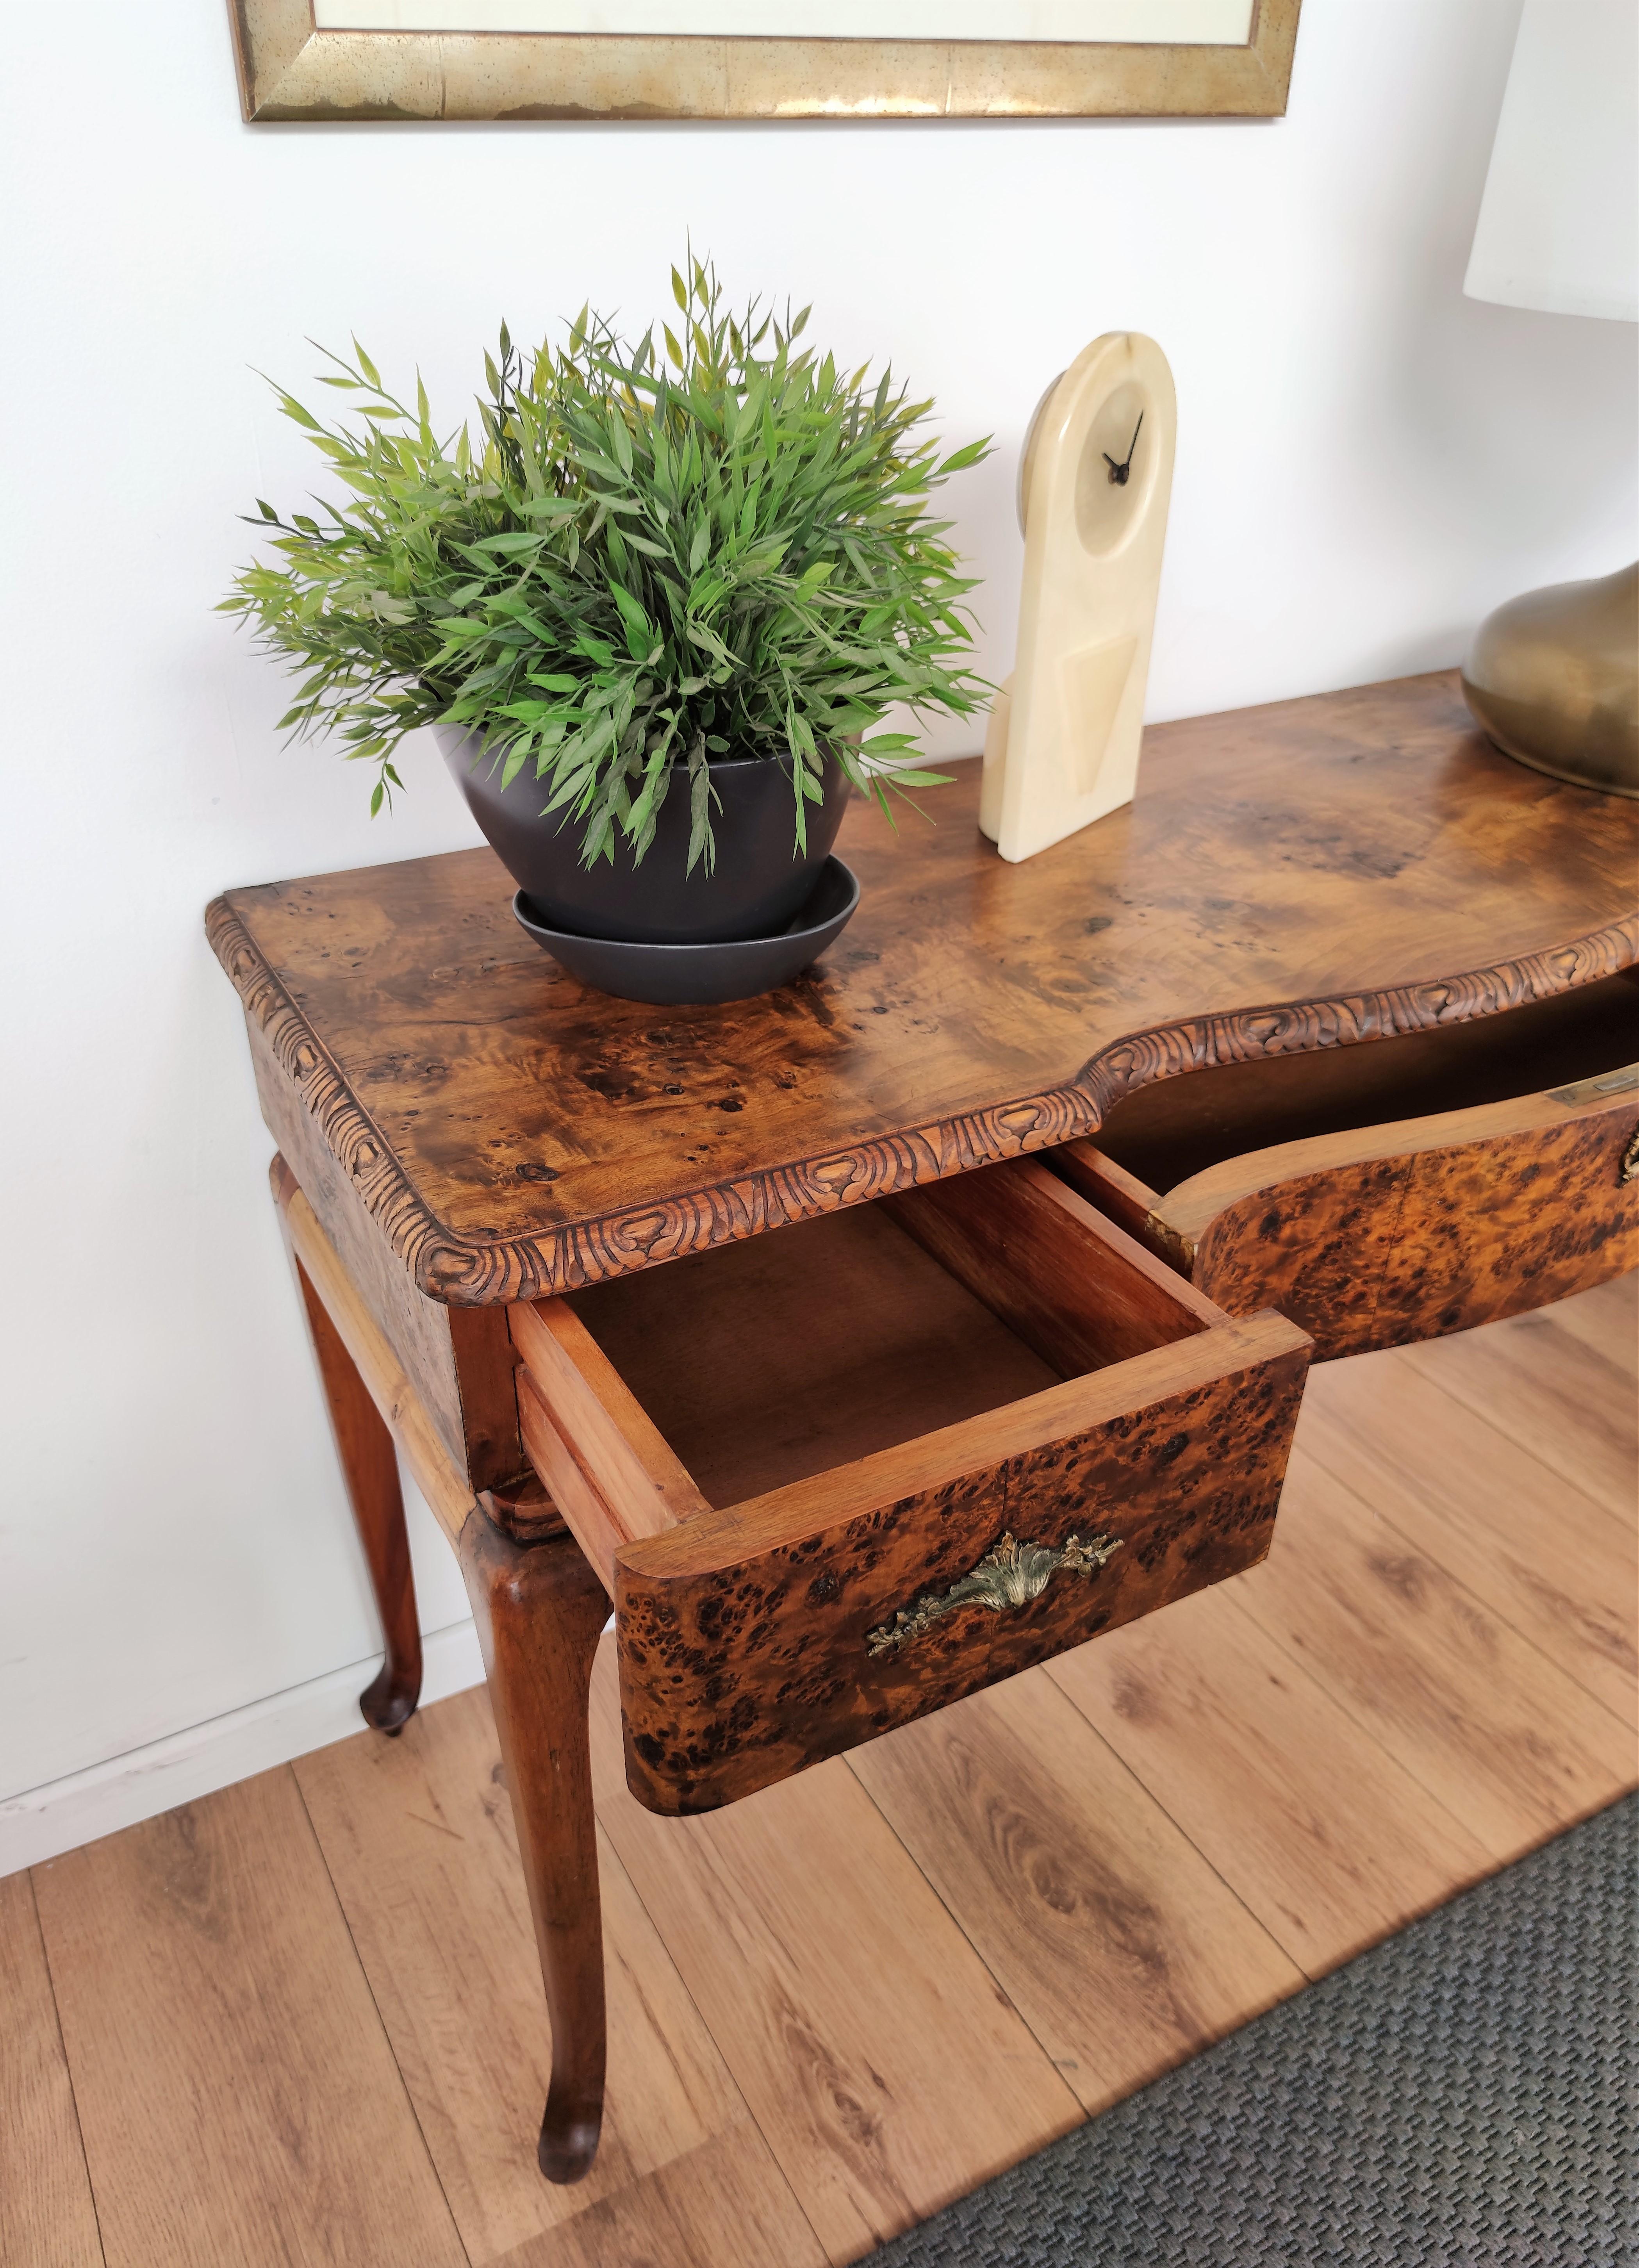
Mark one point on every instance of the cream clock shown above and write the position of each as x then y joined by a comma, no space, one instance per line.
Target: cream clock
1096,476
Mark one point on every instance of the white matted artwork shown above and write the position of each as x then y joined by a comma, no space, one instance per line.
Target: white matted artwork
1192,23
351,60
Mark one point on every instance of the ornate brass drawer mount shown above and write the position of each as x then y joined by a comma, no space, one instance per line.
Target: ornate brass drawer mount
1009,1576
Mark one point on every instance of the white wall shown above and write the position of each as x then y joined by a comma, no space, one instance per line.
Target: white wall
1367,462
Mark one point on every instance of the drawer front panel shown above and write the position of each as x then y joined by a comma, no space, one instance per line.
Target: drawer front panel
1383,1251
745,1638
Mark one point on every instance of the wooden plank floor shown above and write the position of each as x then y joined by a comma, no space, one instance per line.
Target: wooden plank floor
301,2021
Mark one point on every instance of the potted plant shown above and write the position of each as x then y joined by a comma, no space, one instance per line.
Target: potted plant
655,609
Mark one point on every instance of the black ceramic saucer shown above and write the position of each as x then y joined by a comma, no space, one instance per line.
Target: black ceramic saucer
698,976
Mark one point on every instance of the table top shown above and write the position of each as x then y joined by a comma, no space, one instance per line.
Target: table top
1308,874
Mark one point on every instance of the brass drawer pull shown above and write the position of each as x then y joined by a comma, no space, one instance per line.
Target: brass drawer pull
1011,1575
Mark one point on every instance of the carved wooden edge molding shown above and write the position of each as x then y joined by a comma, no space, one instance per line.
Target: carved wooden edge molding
291,70
476,1272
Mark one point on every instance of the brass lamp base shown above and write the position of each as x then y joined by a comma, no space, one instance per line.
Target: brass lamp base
1553,678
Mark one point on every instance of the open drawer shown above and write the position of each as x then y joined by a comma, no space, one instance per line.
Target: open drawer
845,1472
1398,1190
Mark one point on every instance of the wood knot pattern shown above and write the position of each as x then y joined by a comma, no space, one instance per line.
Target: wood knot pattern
734,1674
476,1271
363,1151
1011,1575
1331,857
1439,1237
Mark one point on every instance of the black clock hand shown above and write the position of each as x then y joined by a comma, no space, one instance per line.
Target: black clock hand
1119,473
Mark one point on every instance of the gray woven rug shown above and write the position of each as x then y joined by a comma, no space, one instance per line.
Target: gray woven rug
1462,2096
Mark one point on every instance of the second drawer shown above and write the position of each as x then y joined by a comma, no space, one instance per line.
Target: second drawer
1396,1191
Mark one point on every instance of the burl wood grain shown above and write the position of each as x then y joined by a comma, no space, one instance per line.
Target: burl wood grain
1363,863
1319,1245
1491,1228
742,1634
1461,1220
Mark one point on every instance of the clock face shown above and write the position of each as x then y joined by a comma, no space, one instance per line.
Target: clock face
1117,469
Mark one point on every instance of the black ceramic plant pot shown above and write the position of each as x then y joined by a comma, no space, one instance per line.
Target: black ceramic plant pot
757,885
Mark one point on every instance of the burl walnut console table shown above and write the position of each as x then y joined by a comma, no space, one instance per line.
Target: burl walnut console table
872,1341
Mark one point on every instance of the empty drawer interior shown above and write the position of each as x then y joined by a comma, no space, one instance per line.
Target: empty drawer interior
769,1361
1164,1133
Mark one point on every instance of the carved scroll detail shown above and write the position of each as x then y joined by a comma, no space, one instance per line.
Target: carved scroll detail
476,1271
1009,1576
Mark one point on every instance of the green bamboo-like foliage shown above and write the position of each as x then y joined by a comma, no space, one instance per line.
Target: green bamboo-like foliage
644,560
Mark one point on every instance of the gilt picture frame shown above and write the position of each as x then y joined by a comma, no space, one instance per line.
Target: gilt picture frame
319,60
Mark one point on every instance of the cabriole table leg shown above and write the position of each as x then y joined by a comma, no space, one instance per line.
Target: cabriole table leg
370,1469
539,1610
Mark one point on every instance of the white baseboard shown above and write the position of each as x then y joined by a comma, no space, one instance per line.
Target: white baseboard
44,1822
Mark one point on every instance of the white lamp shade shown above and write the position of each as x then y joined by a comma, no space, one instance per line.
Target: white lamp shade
1559,223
